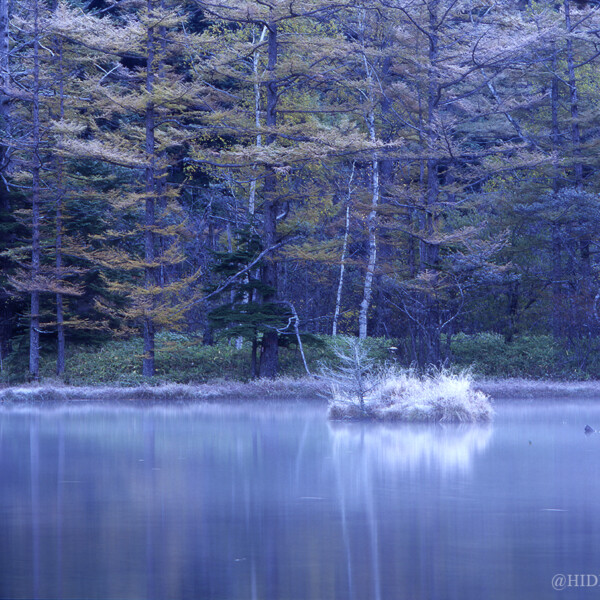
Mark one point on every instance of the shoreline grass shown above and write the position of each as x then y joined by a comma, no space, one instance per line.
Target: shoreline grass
283,388
532,389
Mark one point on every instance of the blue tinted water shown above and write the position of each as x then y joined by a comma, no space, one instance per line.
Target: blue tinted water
273,502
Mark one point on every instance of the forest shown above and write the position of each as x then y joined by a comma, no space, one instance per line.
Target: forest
270,174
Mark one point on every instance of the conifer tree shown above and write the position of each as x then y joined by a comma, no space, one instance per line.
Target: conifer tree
141,100
38,125
442,107
27,139
296,52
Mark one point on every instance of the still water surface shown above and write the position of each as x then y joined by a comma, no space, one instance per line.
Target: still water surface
273,502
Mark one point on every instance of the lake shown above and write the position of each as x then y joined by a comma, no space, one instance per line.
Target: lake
271,501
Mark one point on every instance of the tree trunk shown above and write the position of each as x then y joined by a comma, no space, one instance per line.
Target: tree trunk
255,58
585,273
5,82
149,217
557,300
253,358
372,218
162,274
512,311
574,101
556,241
34,325
269,357
338,298
372,225
431,251
60,317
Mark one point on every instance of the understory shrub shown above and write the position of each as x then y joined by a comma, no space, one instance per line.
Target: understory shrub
180,358
528,356
489,354
183,358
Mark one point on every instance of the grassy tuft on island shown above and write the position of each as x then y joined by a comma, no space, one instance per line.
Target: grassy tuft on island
441,397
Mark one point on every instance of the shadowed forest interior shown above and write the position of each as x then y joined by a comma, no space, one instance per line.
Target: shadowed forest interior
225,187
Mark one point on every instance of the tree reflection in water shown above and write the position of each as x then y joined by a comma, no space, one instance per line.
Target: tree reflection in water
358,448
249,501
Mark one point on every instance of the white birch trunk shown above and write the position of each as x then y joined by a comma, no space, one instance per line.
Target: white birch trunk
372,219
60,316
252,198
372,260
338,299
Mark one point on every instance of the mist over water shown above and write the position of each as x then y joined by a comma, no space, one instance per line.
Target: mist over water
273,501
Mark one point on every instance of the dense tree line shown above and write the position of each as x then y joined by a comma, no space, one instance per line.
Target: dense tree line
261,170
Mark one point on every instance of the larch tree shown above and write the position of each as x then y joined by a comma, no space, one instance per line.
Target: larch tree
445,56
43,74
138,121
551,206
7,219
25,141
295,57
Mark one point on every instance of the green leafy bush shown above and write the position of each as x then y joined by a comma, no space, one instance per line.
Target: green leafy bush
531,356
180,358
183,358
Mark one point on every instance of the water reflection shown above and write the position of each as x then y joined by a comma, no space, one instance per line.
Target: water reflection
34,470
250,502
360,448
413,447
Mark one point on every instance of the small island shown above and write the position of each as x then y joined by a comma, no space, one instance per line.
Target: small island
441,398
361,389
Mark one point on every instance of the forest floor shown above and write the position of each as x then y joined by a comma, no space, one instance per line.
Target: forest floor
283,388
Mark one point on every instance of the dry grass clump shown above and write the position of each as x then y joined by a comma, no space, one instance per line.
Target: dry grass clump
442,397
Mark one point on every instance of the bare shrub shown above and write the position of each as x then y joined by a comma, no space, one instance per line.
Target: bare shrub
355,375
